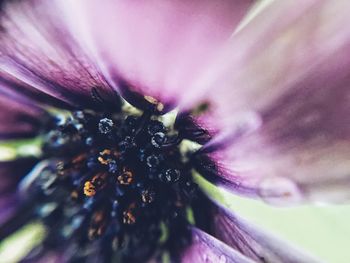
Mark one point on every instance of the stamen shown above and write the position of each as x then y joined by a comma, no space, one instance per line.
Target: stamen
159,106
170,176
128,215
102,158
121,177
153,161
89,189
148,196
126,177
105,125
158,139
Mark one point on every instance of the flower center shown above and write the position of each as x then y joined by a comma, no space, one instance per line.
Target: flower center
120,179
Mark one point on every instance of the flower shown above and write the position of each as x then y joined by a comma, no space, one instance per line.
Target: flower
265,99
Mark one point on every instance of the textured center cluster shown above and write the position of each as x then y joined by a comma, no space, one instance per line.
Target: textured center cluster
122,180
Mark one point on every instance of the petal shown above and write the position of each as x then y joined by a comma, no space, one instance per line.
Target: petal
19,117
240,72
295,139
16,89
46,57
156,48
205,248
10,175
251,241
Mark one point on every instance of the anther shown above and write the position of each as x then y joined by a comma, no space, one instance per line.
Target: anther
158,105
126,177
148,196
170,176
128,215
104,157
158,139
152,161
60,168
89,189
105,125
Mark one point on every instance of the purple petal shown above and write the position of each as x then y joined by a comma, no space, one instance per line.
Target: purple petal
10,175
8,205
156,48
18,90
19,117
46,57
205,248
252,242
295,140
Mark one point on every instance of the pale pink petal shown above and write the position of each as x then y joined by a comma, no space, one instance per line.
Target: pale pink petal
155,48
285,114
36,48
205,248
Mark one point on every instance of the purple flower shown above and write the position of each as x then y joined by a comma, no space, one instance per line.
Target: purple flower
264,98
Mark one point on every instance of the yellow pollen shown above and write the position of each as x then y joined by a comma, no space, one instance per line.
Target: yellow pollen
89,189
104,159
159,105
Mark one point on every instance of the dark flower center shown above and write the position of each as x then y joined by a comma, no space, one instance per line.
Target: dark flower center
118,179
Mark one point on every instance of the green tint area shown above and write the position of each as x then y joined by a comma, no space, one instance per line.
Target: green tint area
12,149
21,242
323,231
190,216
